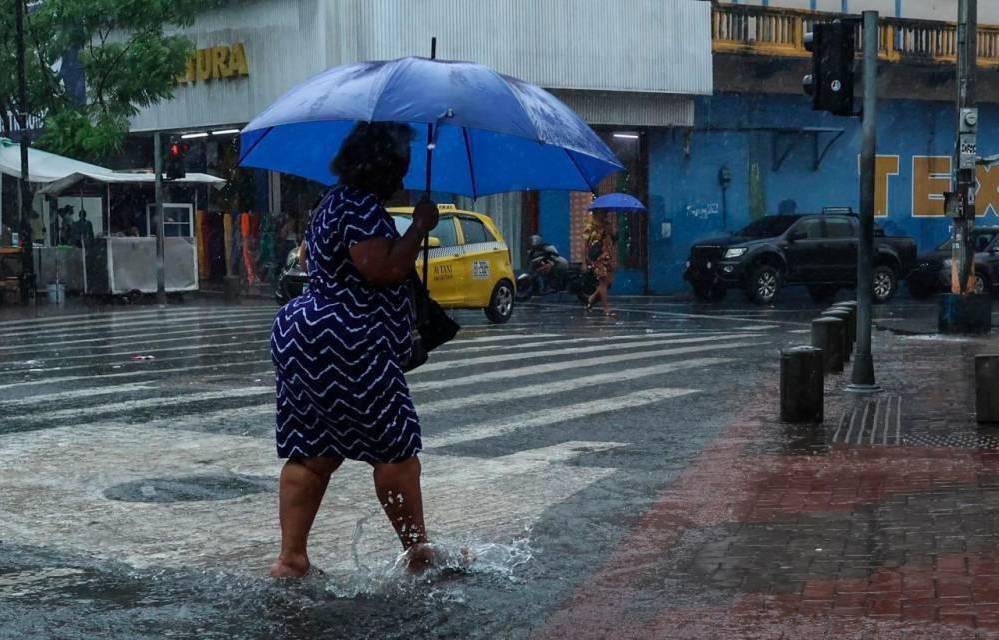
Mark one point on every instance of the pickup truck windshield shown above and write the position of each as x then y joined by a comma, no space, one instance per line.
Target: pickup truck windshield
767,227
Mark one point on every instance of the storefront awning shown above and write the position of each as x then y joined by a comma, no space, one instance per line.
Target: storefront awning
126,177
42,166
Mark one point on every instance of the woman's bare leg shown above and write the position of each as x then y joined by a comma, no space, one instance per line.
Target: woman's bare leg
301,489
398,488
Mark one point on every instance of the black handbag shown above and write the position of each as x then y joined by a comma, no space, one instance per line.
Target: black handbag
595,251
433,325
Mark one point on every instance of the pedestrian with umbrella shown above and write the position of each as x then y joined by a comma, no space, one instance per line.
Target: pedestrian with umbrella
340,351
601,244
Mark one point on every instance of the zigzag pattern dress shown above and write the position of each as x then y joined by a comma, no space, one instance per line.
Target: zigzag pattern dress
337,349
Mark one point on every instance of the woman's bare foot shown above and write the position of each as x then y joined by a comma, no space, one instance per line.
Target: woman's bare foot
290,567
420,557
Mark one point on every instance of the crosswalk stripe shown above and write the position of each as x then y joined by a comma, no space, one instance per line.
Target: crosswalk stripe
147,348
552,415
123,315
112,322
136,330
147,403
88,345
562,386
148,364
266,410
70,395
144,371
492,359
557,367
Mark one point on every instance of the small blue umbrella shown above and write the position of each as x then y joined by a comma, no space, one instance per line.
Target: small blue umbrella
617,202
489,133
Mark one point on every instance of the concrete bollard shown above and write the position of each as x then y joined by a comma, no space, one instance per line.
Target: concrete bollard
851,311
827,334
849,328
802,394
987,388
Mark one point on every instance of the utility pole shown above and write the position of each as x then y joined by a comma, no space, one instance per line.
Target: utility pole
966,149
158,168
24,192
862,380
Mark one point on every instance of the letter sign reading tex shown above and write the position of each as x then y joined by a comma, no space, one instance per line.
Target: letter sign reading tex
216,63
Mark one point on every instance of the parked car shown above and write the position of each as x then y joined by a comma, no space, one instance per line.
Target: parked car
815,250
470,264
932,272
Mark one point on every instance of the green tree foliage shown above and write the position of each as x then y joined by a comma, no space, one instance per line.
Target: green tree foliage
128,57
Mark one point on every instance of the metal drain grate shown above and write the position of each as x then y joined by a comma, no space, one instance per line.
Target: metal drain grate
956,440
874,422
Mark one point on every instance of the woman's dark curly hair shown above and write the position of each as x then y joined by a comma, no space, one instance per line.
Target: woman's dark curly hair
374,157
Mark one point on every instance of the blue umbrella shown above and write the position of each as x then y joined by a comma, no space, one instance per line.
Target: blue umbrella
617,202
489,133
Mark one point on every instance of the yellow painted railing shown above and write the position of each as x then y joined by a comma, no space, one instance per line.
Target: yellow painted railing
780,32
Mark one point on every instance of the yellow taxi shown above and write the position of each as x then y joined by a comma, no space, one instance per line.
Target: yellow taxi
470,263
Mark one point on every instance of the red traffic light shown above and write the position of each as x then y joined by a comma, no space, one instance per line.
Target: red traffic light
178,149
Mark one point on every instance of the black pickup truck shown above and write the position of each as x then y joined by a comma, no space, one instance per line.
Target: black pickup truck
818,251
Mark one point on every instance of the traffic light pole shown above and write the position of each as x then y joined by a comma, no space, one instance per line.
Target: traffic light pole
24,186
158,167
966,151
862,380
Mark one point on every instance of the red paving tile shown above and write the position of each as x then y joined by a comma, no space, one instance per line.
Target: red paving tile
941,597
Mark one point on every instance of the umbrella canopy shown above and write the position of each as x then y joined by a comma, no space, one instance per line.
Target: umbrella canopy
493,133
617,202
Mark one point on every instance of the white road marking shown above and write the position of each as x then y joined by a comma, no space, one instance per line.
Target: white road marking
70,395
699,316
570,340
144,348
143,370
112,323
551,416
184,335
562,386
446,365
554,367
147,403
150,364
465,498
108,333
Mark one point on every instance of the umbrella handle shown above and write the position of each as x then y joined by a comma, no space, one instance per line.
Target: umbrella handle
430,157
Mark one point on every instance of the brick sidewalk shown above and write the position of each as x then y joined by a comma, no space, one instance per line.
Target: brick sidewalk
789,532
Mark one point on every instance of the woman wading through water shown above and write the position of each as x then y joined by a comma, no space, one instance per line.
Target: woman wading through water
338,349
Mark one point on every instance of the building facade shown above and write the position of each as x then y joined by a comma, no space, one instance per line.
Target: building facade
627,67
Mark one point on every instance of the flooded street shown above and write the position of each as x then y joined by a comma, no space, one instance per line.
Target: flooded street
139,471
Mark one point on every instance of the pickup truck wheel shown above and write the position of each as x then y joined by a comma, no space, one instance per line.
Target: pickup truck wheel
500,303
763,284
885,284
982,284
822,292
709,293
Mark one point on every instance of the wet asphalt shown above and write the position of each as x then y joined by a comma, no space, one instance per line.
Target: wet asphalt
137,466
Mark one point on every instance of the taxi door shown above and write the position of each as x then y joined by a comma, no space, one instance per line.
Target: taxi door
445,268
481,255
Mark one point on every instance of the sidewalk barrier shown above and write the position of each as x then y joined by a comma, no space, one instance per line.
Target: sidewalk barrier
987,388
851,311
802,394
849,328
828,335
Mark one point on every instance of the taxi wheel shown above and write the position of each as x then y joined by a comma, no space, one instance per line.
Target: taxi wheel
501,302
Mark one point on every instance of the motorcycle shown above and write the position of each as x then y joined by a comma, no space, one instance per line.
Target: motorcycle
549,272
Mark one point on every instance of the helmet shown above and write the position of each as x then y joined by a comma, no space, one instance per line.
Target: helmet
536,241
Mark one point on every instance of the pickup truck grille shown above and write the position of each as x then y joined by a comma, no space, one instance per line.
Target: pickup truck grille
703,254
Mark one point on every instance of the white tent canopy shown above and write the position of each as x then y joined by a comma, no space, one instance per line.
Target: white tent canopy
125,177
42,166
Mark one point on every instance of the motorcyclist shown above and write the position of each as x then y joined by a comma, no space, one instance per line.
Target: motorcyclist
546,263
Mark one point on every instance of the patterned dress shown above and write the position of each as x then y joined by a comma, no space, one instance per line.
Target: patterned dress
337,349
603,265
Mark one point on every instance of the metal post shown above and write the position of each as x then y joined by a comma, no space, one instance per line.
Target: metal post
158,167
863,363
24,192
965,151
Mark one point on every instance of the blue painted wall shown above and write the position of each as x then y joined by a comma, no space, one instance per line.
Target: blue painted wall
735,131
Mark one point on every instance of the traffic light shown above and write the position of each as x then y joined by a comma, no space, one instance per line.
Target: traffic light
830,83
175,160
